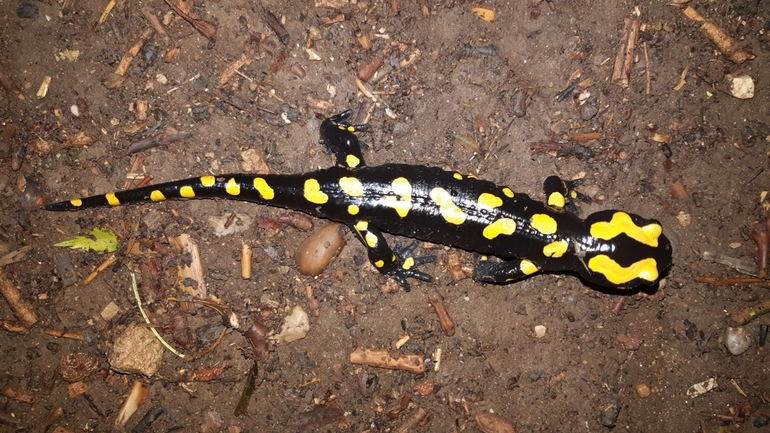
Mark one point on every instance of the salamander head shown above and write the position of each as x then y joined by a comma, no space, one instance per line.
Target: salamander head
624,250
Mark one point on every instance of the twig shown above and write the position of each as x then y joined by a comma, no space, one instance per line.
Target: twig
276,26
380,358
746,315
155,24
21,308
127,58
155,141
446,322
646,70
15,256
724,42
206,28
64,334
105,264
717,281
621,71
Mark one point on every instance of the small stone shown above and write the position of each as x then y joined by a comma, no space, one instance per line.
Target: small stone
27,9
136,351
295,326
588,111
609,415
737,340
643,390
540,331
742,87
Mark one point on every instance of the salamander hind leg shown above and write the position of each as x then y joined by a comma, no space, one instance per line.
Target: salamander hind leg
339,136
561,193
398,263
487,271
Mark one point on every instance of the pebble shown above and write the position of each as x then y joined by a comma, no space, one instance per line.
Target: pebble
125,356
27,9
737,340
540,331
588,111
643,390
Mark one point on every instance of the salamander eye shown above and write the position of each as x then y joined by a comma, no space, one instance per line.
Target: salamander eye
626,250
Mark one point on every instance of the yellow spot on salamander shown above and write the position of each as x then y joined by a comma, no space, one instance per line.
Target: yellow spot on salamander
508,192
403,203
472,176
111,199
646,269
379,263
503,226
621,223
351,186
232,187
352,161
457,176
408,263
556,199
362,226
555,249
208,181
187,192
313,192
543,223
371,240
527,267
353,209
450,211
76,202
490,200
265,191
157,196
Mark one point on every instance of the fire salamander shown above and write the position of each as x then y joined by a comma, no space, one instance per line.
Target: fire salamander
610,248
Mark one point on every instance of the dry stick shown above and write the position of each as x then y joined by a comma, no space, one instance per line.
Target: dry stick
21,308
724,42
617,67
745,316
717,281
246,255
156,25
155,141
380,358
444,319
646,70
127,58
105,264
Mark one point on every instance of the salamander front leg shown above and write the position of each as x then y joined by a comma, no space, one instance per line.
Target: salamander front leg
338,136
487,271
398,264
561,193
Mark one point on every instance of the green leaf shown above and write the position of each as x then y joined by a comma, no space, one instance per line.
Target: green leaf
100,240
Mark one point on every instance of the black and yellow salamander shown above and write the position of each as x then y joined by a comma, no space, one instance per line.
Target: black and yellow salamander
610,248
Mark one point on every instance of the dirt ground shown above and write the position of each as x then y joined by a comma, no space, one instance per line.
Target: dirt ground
453,90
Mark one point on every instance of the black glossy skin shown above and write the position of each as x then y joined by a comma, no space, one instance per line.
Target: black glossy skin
424,219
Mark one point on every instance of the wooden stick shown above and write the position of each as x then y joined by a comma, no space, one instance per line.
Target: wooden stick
446,322
21,308
380,358
127,58
105,264
246,255
746,315
646,70
155,24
